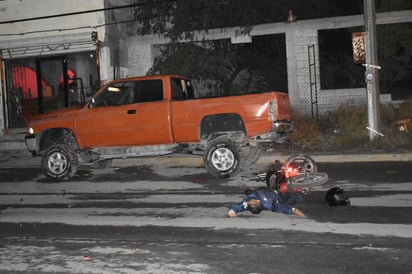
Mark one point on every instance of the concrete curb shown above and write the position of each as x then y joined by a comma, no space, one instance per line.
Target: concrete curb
6,145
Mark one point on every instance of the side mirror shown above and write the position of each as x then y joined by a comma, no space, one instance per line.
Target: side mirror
91,101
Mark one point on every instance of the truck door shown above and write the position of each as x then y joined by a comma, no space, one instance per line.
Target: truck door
186,113
111,119
154,126
128,113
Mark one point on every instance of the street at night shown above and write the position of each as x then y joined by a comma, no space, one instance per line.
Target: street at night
207,137
172,219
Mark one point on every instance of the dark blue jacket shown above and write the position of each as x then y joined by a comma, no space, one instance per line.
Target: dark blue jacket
270,200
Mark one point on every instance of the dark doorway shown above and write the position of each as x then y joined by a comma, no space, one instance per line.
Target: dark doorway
40,85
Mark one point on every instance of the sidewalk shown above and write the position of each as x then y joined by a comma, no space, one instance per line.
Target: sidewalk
13,140
13,153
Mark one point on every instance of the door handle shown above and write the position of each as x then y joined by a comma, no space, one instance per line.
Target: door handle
131,111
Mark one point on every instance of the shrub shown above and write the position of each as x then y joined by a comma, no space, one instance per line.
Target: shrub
346,129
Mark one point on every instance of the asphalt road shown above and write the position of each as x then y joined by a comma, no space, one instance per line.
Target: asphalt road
157,219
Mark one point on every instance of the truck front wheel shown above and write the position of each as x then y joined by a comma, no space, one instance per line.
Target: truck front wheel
222,158
60,162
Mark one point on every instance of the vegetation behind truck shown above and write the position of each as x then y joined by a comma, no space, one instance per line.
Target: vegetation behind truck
158,115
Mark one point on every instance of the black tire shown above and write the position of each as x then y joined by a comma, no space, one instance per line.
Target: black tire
308,180
304,162
271,180
60,162
222,158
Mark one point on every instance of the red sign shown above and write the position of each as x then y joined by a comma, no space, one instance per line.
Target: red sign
358,45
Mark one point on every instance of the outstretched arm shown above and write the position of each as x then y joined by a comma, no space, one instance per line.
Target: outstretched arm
298,213
236,208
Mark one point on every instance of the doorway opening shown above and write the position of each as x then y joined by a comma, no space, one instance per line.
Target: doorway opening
39,85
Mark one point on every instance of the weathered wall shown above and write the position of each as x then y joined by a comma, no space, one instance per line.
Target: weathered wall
299,36
12,10
52,35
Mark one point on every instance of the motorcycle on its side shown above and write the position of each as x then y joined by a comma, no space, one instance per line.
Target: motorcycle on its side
297,174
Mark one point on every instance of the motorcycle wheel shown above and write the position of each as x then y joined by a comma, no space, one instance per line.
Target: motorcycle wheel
304,162
308,180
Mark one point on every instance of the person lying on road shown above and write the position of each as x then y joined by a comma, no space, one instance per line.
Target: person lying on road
265,198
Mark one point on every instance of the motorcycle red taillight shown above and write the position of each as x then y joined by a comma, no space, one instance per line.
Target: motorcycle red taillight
291,171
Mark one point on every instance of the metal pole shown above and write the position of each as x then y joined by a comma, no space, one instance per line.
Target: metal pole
65,82
3,97
95,38
371,69
40,107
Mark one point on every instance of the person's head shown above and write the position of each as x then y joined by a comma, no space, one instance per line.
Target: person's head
254,206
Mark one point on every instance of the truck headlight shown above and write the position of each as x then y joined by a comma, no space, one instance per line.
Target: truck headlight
31,130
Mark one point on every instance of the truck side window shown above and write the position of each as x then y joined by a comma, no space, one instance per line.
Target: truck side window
189,89
130,92
127,94
115,95
149,90
177,90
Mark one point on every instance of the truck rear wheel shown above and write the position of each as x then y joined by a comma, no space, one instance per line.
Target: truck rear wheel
59,162
222,157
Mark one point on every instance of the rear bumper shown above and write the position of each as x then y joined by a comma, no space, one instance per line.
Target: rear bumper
283,126
278,133
280,129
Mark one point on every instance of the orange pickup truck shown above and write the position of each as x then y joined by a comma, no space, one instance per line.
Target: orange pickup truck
158,115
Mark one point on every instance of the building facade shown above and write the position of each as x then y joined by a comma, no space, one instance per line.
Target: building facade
302,50
52,56
59,53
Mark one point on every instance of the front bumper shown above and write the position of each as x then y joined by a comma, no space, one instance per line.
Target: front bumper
31,144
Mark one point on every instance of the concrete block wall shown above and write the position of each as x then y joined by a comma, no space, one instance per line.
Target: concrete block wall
299,88
140,56
303,40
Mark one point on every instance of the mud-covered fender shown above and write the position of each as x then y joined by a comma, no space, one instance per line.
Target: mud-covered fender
225,122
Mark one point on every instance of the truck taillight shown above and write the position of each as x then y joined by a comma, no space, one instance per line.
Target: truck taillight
273,110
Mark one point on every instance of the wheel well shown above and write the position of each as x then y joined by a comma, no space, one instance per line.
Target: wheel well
225,122
56,135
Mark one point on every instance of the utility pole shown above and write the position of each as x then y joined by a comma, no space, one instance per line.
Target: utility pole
371,69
